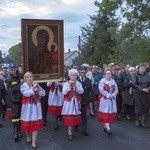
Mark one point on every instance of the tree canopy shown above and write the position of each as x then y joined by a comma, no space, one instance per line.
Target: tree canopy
15,54
118,32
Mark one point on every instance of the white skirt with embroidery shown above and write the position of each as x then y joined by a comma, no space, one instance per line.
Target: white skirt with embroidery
55,100
31,112
107,106
71,107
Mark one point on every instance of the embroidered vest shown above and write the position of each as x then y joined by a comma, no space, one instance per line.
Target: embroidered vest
32,99
108,89
70,95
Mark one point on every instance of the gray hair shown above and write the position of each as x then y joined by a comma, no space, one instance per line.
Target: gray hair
131,69
73,72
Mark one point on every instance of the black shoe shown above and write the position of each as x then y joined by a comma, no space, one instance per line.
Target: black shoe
85,133
119,118
105,130
92,115
109,132
70,137
16,140
34,147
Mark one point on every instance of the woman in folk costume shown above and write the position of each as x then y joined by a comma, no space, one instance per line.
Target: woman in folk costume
31,113
107,101
71,107
55,101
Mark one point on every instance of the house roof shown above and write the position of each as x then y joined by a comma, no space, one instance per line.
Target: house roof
68,54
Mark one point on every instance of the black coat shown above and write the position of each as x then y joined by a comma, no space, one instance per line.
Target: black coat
141,98
13,86
141,81
118,80
3,93
87,94
128,96
123,76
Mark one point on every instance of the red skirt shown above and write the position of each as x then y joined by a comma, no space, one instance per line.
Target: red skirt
71,120
55,110
30,126
106,117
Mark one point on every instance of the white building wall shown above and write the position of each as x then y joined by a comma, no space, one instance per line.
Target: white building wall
68,61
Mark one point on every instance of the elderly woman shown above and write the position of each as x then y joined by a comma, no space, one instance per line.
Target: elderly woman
107,101
71,107
128,96
31,113
141,83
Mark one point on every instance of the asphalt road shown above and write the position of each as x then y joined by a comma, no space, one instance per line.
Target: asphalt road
125,137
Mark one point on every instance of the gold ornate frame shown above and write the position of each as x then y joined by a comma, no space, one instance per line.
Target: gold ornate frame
45,61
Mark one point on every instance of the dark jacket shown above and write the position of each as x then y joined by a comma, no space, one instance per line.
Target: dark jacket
3,91
128,96
97,77
87,86
141,81
3,94
13,86
119,83
123,76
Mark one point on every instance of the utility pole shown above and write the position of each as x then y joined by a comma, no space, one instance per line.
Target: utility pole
79,49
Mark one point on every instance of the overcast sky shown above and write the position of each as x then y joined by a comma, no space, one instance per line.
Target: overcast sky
73,12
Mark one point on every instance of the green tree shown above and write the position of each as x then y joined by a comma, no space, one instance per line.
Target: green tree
133,37
15,54
97,37
137,14
118,33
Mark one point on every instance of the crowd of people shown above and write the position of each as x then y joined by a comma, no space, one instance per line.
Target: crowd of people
111,91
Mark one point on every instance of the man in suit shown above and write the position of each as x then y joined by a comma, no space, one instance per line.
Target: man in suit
85,97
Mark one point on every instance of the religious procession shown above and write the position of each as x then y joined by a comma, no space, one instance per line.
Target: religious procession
110,92
74,74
